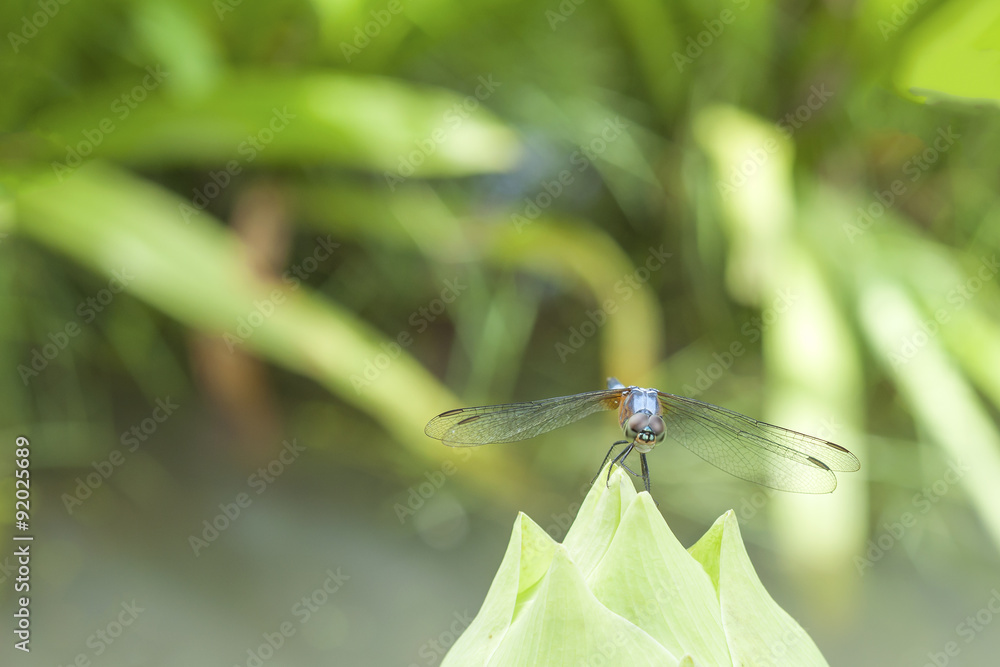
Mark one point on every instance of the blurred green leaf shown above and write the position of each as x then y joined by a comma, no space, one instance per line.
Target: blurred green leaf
195,272
940,397
954,54
274,118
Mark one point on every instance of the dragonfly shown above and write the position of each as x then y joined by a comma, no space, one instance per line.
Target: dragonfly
753,450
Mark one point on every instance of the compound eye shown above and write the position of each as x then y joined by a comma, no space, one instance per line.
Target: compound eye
657,426
636,423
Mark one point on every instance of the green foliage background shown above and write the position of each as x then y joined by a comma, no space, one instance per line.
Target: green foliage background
471,204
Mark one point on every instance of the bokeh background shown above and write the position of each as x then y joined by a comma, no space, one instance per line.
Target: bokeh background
249,249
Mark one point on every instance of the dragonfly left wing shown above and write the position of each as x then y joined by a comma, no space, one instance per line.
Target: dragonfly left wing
517,421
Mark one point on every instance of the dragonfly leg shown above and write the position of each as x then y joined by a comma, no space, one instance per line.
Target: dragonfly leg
645,471
628,470
619,460
620,442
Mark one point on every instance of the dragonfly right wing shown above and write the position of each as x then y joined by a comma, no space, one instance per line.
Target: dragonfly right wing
517,421
754,450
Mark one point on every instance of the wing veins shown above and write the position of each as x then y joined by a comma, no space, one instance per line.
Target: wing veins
511,422
742,452
780,441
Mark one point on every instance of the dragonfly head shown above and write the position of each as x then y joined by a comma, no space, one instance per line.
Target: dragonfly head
645,429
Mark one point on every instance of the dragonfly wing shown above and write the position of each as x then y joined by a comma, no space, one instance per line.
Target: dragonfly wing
753,450
517,421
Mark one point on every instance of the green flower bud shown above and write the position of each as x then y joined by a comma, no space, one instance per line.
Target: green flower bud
621,590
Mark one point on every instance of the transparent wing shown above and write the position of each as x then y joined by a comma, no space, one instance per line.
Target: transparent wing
517,421
755,451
